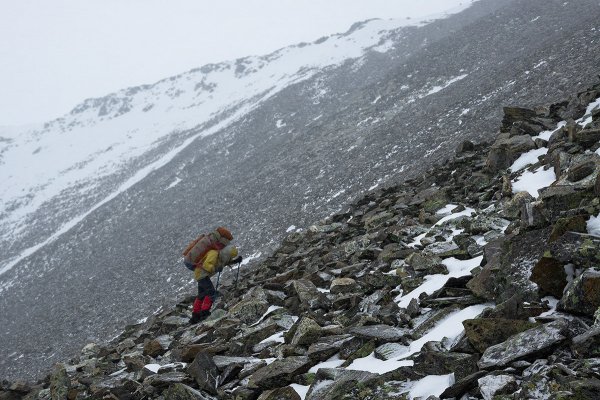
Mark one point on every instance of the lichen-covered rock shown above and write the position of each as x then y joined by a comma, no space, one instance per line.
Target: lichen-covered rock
306,333
327,346
343,285
332,383
582,295
179,391
249,310
486,332
493,385
59,383
379,332
587,345
529,343
279,373
510,260
284,393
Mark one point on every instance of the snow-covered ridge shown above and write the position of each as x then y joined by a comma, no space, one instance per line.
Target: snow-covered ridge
104,137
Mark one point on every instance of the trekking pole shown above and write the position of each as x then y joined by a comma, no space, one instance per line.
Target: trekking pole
238,275
217,287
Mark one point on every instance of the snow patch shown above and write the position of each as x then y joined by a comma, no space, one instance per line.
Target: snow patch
593,225
456,268
534,181
528,158
432,385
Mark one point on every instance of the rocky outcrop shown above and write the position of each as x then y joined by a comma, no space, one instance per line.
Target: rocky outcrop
453,280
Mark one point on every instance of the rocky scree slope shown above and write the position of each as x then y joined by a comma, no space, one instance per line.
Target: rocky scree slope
382,117
456,284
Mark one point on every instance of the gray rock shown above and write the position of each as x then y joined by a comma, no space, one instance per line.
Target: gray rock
331,383
279,373
587,345
582,295
327,346
505,151
384,333
179,391
525,344
492,385
343,285
284,393
387,351
223,362
205,372
307,332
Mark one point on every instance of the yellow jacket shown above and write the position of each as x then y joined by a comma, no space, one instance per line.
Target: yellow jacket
214,261
208,266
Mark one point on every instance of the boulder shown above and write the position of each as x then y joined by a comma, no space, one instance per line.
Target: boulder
333,383
157,347
279,373
495,385
388,351
343,285
550,276
582,295
205,372
179,391
461,386
509,262
423,262
587,345
383,333
325,347
306,332
432,362
483,333
530,343
284,393
59,383
577,223
307,294
506,150
250,310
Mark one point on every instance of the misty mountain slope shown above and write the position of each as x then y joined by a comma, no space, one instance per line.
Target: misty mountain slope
111,138
298,156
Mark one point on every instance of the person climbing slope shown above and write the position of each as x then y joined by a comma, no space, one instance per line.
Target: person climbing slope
206,256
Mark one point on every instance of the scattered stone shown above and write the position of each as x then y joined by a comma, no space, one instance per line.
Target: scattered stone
205,372
495,385
279,372
383,333
582,295
343,285
529,343
486,332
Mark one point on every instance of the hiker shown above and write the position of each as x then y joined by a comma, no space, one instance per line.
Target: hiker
206,256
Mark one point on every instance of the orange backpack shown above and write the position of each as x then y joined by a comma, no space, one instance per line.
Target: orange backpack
197,249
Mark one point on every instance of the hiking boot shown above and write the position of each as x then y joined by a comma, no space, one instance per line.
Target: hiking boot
199,316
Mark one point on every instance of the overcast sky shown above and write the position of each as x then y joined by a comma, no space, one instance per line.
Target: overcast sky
56,53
